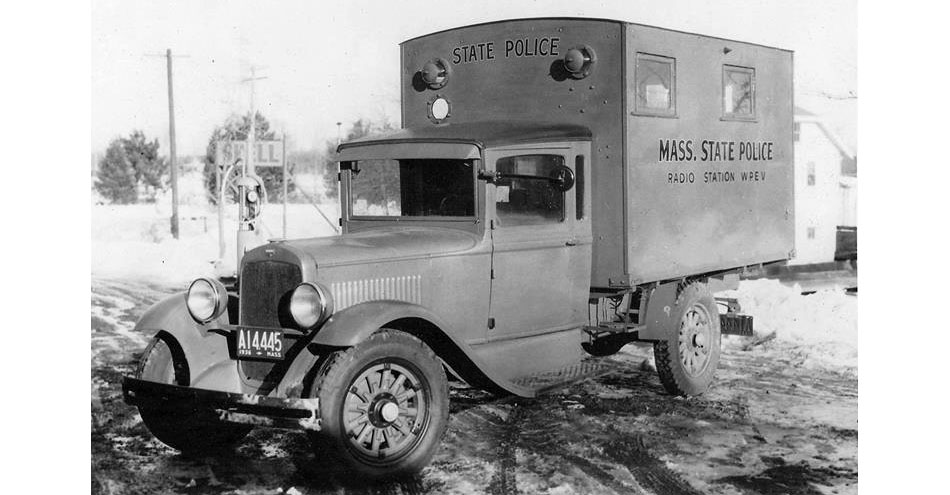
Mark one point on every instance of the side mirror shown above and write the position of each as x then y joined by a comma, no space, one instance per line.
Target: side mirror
351,166
563,178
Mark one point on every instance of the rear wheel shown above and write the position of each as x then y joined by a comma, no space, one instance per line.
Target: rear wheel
687,358
181,427
384,405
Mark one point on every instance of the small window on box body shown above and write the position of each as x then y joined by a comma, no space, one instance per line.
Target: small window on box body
811,232
656,85
738,92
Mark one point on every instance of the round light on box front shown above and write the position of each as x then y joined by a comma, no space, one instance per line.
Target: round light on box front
439,109
206,300
310,305
579,61
435,73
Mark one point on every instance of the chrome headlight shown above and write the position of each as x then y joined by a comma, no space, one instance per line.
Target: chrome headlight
310,305
206,300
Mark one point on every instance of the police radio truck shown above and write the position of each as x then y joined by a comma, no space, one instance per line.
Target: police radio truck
559,188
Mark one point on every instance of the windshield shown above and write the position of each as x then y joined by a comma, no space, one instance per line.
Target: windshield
412,188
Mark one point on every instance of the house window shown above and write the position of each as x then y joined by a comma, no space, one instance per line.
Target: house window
811,173
797,132
738,92
656,85
811,232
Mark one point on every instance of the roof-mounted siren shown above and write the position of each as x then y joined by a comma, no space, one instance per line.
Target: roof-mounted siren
579,61
435,73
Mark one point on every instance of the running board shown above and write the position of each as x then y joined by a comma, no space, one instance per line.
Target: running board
549,381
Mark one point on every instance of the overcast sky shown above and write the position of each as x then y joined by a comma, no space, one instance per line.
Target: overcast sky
328,62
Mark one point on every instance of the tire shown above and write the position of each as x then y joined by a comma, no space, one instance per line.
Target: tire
389,390
687,359
182,427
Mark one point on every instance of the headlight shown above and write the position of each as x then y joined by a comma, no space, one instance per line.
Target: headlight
206,300
310,305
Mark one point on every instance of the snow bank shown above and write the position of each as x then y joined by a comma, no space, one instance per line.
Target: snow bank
819,330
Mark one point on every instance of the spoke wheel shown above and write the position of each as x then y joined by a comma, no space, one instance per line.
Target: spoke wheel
384,406
687,358
695,336
386,411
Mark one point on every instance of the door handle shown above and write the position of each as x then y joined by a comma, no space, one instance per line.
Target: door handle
571,242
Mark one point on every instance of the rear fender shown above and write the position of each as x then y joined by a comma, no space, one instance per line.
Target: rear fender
205,350
659,319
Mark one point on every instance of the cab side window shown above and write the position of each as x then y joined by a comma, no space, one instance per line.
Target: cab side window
527,201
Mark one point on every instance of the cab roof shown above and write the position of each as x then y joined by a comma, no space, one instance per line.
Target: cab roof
481,134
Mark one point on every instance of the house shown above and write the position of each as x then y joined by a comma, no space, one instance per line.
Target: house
825,189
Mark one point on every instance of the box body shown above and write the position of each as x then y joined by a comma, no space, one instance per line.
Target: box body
682,192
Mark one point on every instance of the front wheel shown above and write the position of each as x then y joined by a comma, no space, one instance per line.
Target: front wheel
182,428
384,404
687,358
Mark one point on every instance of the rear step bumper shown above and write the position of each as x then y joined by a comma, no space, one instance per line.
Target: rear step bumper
290,413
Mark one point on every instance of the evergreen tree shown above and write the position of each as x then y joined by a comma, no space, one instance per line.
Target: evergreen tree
131,170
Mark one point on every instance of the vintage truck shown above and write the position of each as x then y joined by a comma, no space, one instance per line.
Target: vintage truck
558,185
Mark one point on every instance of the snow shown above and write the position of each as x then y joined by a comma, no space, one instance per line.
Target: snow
820,329
135,241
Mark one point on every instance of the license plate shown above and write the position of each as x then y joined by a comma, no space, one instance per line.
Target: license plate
260,343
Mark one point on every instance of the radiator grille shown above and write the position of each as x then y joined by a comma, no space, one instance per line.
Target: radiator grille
263,285
406,288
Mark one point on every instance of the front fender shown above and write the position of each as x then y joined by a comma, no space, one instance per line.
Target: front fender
206,352
355,323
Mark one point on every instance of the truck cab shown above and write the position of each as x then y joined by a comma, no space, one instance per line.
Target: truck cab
559,189
517,192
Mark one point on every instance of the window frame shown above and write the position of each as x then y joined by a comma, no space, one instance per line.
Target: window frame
671,113
733,116
563,154
351,216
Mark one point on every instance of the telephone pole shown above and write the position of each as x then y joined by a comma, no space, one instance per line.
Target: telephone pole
171,145
173,162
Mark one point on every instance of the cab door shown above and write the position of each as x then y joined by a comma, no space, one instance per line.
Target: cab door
541,241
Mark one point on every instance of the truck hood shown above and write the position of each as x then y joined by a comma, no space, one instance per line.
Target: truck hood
384,245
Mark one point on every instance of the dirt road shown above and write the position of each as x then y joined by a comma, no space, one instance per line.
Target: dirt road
766,426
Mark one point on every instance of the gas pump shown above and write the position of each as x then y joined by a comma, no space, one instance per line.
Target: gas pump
251,198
